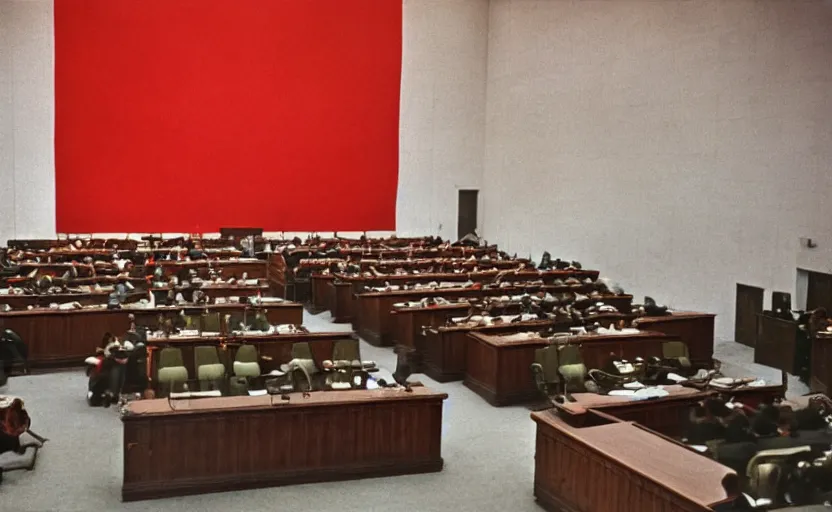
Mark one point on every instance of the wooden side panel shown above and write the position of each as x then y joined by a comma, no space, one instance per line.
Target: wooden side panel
776,343
343,307
481,370
193,453
696,331
821,376
446,354
570,476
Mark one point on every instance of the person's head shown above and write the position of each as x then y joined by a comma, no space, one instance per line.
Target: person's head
820,314
715,408
738,428
766,421
107,339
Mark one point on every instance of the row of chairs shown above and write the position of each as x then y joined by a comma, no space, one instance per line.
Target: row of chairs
246,364
558,366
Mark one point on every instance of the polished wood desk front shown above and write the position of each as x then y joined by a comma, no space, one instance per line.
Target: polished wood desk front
278,347
499,366
234,443
695,329
408,324
446,347
619,466
66,338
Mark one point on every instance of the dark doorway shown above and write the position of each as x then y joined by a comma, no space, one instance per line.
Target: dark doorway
749,303
467,222
819,291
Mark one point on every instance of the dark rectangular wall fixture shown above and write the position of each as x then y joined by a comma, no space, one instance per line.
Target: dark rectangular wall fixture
819,291
749,303
467,216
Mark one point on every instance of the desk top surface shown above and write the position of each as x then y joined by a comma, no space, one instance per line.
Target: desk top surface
584,401
534,338
156,310
532,324
670,465
162,407
250,338
675,317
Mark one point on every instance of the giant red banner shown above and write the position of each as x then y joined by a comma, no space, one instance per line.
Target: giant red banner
190,115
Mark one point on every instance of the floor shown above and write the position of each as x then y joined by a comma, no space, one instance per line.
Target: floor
488,453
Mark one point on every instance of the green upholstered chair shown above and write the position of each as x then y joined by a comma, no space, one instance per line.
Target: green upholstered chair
246,362
677,353
171,369
572,368
210,322
545,370
346,350
209,370
304,364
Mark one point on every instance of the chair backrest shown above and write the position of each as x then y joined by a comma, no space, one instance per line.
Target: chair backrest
205,355
767,470
569,354
547,357
674,349
301,350
170,357
246,354
210,322
346,350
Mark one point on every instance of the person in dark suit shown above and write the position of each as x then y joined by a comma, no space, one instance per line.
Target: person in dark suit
740,445
706,422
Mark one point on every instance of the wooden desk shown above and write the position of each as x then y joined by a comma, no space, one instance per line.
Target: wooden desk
695,329
821,376
408,323
667,415
66,338
777,342
234,443
620,466
373,321
276,346
499,366
229,268
446,347
341,302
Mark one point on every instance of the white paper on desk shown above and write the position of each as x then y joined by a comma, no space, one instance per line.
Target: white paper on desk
257,392
651,393
189,332
622,392
675,377
698,447
757,383
633,385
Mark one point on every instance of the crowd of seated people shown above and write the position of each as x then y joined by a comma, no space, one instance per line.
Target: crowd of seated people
777,451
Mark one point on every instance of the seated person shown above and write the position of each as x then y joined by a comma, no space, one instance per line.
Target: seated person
740,445
706,422
765,422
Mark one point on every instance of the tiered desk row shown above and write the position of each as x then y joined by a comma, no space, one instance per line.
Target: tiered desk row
321,433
